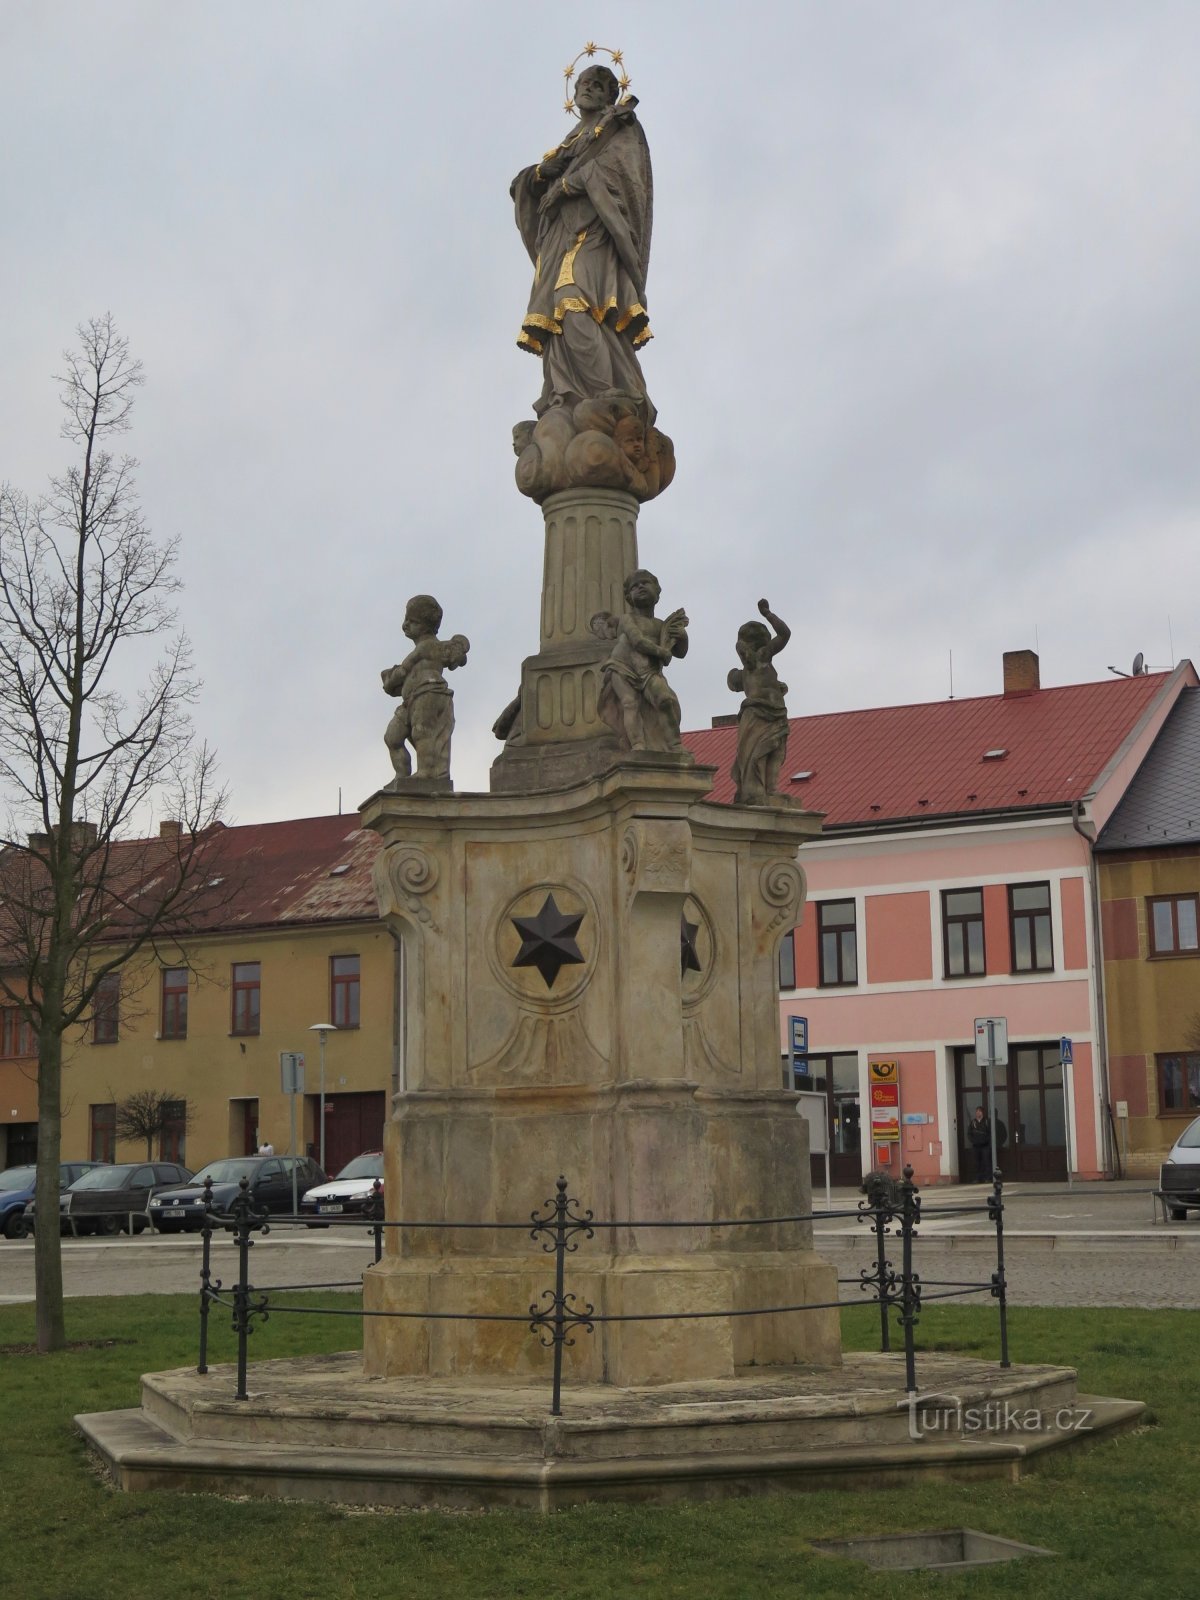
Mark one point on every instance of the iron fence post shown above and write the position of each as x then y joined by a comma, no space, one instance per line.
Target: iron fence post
555,1326
910,1215
999,1281
206,1233
246,1220
881,1267
375,1212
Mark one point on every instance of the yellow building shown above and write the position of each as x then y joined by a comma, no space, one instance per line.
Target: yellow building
1149,860
299,943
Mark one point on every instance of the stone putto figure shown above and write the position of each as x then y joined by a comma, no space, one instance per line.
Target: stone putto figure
424,718
762,718
584,213
635,698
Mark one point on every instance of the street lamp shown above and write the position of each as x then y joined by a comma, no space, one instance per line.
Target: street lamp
322,1028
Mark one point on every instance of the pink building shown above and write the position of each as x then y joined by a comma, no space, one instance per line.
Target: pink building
955,879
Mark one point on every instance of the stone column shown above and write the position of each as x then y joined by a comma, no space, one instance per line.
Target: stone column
590,549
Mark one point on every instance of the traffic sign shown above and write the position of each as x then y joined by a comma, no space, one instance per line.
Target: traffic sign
291,1072
1066,1052
799,1035
991,1041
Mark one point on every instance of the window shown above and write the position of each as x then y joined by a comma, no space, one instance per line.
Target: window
106,1010
962,933
1030,928
172,1139
102,1139
174,1003
246,994
1179,1083
17,1037
1173,930
837,943
343,991
787,962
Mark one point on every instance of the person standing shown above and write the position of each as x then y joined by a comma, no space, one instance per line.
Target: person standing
979,1137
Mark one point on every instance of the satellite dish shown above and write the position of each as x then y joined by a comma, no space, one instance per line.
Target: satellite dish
1139,665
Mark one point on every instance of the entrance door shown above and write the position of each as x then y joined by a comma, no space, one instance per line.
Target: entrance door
353,1123
1029,1102
836,1076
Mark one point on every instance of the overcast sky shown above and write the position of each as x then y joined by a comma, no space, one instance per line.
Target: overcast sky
923,284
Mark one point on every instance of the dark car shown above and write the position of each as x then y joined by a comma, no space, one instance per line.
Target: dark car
270,1179
16,1191
113,1198
347,1195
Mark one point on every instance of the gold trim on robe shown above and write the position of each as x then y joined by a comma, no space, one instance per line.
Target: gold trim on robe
566,273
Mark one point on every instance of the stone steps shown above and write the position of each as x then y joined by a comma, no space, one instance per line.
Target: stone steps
315,1429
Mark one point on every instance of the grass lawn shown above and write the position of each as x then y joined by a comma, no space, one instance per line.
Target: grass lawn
1121,1514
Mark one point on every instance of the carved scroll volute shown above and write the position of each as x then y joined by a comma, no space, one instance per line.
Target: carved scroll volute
783,887
404,877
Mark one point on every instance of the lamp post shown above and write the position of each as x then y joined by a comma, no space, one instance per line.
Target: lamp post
321,1029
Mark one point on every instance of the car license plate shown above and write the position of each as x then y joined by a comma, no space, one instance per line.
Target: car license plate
171,1211
328,1210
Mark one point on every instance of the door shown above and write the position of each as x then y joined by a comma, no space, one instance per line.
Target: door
836,1076
353,1123
1029,1103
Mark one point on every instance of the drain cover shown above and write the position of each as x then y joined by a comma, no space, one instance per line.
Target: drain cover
946,1549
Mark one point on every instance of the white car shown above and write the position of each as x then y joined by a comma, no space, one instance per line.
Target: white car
347,1195
1179,1175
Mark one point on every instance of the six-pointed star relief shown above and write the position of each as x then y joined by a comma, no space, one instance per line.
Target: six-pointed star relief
548,941
689,956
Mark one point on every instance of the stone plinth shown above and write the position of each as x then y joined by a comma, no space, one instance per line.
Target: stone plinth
648,1072
316,1428
590,549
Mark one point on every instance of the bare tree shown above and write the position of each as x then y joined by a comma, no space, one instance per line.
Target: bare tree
149,1113
95,740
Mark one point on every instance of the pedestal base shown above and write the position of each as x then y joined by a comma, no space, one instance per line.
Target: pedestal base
316,1429
711,1291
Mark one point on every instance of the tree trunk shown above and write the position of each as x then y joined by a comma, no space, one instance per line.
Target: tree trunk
47,1245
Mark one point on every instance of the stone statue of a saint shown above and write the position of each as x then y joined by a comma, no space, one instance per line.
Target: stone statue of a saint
636,700
424,718
762,717
584,213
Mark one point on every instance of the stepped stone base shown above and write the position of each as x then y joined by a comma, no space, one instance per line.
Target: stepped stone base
318,1429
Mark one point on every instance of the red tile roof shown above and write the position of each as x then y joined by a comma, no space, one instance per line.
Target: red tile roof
290,872
902,762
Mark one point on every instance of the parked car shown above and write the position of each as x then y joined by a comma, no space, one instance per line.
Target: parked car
109,1199
348,1194
16,1191
1179,1175
182,1206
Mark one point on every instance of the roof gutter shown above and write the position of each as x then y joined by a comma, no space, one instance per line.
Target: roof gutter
1098,997
947,819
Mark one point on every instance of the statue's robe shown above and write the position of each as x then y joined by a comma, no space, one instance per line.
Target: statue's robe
587,315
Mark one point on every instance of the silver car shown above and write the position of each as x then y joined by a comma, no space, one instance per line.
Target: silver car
1179,1175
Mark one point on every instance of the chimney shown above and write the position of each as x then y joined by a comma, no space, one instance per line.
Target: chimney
1021,673
169,830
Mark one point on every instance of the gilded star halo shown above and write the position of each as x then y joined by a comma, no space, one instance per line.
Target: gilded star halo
617,57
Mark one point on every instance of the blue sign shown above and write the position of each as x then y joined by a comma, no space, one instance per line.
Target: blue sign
799,1030
1066,1050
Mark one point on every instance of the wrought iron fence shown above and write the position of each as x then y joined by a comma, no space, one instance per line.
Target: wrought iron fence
892,1209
